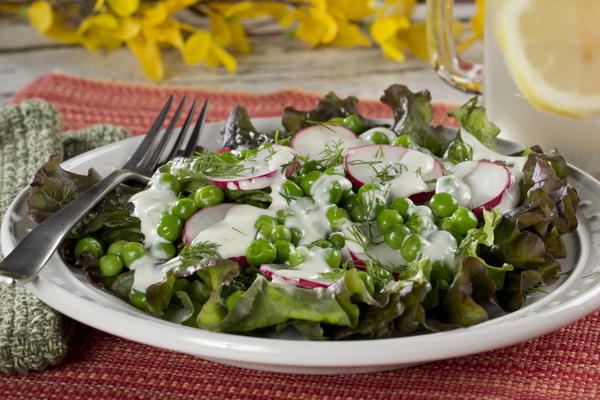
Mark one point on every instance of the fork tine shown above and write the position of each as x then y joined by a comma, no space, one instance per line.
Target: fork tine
150,163
182,134
193,140
150,136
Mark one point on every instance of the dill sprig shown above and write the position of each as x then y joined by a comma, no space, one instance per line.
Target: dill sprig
200,249
333,154
209,163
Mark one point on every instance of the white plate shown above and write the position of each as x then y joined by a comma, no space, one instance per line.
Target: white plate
63,289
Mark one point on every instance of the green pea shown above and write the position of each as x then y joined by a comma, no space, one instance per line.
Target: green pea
298,256
167,181
290,190
395,237
284,250
297,235
338,217
283,214
404,141
444,204
368,281
163,250
462,220
308,180
131,252
90,245
333,258
170,227
184,208
280,232
371,186
387,219
379,137
116,247
261,251
232,299
458,151
111,265
411,247
353,123
337,120
372,202
336,192
338,240
418,223
308,167
209,195
265,224
138,300
402,205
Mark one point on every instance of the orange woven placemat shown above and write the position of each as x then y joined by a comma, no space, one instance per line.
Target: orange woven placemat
562,365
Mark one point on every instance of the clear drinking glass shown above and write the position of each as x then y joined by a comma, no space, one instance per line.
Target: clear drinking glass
577,139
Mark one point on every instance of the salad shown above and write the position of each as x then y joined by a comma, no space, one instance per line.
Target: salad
335,226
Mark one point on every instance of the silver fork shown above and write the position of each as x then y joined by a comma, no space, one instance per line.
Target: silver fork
29,257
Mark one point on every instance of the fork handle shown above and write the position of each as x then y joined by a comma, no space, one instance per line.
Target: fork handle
33,252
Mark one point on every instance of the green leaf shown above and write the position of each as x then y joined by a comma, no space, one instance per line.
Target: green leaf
473,119
470,289
239,131
268,303
330,106
413,115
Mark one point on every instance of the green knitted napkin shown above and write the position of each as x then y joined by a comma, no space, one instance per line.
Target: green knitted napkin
32,335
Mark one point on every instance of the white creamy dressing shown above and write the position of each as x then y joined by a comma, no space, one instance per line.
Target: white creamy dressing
480,152
367,136
149,206
440,245
456,187
147,271
407,184
264,167
310,269
412,180
235,232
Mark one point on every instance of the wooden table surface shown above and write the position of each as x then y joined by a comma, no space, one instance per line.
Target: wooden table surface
275,62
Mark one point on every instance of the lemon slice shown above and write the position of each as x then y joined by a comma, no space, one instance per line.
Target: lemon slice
552,48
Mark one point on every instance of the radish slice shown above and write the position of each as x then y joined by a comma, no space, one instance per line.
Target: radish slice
313,140
259,172
273,271
412,169
489,183
204,218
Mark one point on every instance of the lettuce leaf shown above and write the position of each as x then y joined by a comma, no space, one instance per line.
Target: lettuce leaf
53,187
413,115
239,131
470,290
328,107
474,120
268,303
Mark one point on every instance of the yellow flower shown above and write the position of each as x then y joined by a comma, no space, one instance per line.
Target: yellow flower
148,53
316,26
123,8
386,33
43,19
